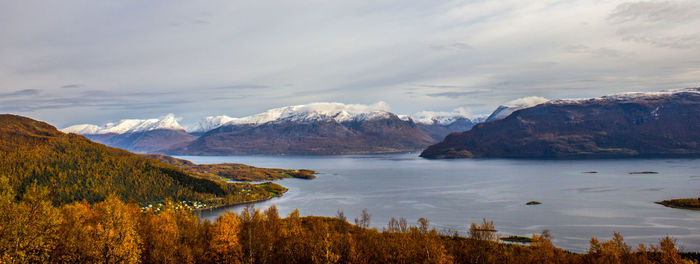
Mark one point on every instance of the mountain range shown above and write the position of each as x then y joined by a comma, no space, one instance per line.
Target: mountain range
621,125
656,124
317,128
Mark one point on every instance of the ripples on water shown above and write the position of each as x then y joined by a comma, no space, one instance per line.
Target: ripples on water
453,193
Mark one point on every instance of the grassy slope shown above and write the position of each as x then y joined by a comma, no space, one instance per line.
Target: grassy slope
75,168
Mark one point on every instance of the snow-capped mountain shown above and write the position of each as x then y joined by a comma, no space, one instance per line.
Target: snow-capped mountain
316,128
440,118
656,124
137,135
508,108
629,96
168,122
209,123
298,113
440,124
83,129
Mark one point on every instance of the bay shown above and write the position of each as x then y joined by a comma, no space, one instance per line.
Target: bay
452,194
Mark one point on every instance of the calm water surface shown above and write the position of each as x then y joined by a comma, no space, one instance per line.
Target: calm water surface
453,193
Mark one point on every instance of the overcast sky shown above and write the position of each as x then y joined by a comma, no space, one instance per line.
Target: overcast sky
70,62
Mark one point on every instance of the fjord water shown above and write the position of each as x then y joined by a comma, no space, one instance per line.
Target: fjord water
453,193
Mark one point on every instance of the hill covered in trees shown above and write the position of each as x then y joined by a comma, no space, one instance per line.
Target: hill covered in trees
73,168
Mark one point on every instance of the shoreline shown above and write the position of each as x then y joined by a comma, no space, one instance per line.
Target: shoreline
239,203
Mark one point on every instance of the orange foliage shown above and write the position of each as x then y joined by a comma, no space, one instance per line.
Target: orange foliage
112,231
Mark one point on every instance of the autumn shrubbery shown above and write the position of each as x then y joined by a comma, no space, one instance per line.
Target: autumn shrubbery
33,230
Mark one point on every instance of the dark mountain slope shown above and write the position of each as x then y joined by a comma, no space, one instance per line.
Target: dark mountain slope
630,125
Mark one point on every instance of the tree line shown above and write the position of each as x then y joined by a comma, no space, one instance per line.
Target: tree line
33,230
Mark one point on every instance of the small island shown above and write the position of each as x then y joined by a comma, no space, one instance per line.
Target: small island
533,203
517,239
644,172
684,203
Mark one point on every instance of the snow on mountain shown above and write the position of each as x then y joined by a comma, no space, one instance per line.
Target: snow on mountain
505,110
300,113
441,118
627,96
209,123
508,108
337,111
169,122
479,119
83,129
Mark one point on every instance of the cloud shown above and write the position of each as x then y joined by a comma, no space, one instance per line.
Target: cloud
19,93
677,11
72,86
456,46
455,95
526,101
597,52
663,24
242,86
238,57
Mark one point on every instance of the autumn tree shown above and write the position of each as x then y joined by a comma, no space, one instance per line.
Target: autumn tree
169,236
667,252
225,244
28,227
340,215
115,231
323,245
364,220
485,231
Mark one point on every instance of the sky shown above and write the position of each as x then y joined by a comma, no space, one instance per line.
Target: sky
68,62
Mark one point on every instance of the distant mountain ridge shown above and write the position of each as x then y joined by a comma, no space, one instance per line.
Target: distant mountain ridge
317,128
382,132
656,124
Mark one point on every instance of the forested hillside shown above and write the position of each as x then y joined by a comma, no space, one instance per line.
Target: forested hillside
74,169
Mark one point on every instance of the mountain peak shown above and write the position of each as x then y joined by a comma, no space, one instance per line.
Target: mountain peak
438,118
168,122
338,112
